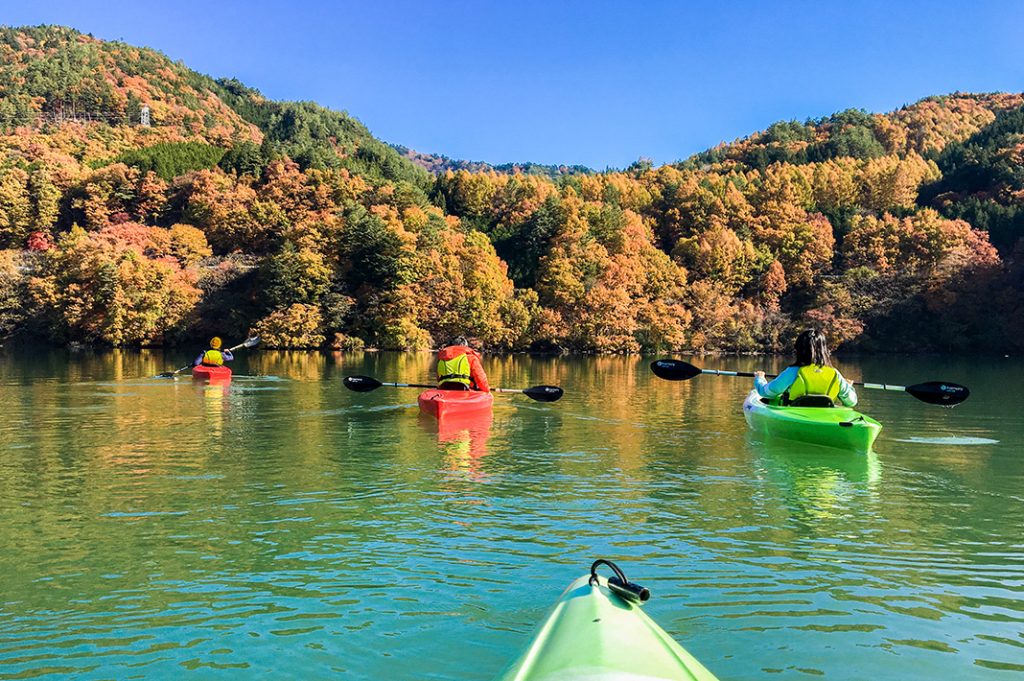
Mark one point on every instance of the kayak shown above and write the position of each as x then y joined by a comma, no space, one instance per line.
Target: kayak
208,373
593,634
448,403
839,427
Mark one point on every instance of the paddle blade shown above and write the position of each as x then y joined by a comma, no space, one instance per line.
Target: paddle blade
544,393
172,374
362,384
250,342
937,392
674,369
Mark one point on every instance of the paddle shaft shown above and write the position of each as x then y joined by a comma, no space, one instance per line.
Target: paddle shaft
407,385
748,374
434,387
540,393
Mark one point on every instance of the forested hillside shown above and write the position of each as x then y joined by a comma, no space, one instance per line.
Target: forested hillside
232,213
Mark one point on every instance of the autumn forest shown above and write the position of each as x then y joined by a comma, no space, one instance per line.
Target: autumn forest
232,214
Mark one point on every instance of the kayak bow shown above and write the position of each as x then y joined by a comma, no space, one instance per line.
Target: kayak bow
597,632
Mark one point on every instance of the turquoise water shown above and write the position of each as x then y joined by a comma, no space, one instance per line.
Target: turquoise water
285,526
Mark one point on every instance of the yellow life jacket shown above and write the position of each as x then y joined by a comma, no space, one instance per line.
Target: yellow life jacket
815,379
454,370
213,358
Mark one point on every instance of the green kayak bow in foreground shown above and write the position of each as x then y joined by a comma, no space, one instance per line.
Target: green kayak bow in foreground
597,632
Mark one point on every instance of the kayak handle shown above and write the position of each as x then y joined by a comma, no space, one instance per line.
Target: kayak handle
618,584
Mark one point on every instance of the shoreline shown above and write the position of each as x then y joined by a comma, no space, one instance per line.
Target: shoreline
20,345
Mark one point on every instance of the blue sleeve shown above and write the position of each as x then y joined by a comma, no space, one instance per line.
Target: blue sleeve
228,357
778,386
847,395
199,359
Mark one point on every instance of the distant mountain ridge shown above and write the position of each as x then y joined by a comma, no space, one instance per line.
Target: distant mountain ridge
439,163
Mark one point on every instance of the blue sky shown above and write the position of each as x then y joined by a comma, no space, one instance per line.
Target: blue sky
594,83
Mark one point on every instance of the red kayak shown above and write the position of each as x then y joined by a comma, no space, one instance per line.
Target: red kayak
442,403
212,374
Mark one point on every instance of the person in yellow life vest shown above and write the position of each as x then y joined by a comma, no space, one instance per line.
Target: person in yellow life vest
214,357
459,367
810,379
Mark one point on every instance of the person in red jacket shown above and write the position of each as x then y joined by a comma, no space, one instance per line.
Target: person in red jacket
459,368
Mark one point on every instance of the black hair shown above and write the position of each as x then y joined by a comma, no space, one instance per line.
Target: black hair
812,348
458,340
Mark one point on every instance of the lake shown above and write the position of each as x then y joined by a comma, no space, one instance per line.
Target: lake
285,526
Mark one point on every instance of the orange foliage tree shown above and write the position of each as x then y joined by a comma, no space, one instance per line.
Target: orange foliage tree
101,288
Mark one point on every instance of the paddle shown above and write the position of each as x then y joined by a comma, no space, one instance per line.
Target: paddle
250,342
541,393
932,392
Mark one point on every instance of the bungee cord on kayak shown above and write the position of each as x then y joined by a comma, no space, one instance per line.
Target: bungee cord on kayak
619,584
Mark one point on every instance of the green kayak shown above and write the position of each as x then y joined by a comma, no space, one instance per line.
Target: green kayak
840,427
595,634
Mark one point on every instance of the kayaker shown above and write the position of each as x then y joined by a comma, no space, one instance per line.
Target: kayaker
811,375
459,367
214,357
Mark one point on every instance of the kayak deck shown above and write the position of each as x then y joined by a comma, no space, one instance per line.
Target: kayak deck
594,635
450,403
838,427
210,373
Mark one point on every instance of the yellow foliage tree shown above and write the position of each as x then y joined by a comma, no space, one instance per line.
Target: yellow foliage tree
296,326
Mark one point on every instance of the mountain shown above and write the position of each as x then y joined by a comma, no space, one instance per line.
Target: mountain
983,179
226,212
925,128
52,76
438,163
977,142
